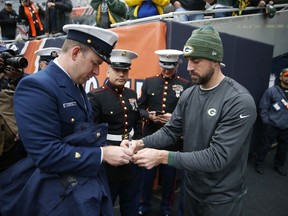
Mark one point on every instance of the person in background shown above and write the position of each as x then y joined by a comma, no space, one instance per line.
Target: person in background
8,21
57,14
159,98
273,110
46,55
188,5
220,4
141,9
33,16
215,118
55,123
109,12
242,4
267,5
261,3
116,105
11,148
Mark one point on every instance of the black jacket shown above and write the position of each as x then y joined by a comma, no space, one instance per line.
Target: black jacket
58,17
160,94
8,22
119,109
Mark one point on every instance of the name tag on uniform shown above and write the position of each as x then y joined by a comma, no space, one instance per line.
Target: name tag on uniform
70,104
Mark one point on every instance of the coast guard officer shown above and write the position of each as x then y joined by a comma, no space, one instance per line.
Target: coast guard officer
56,126
159,97
116,105
46,55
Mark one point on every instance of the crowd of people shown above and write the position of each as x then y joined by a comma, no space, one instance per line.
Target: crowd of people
35,20
47,19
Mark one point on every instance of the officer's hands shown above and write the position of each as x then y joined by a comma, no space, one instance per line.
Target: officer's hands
116,155
147,157
150,158
134,145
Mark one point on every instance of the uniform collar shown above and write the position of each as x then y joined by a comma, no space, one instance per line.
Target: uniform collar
168,78
115,89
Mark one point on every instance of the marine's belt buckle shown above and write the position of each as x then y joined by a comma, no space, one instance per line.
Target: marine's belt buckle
125,136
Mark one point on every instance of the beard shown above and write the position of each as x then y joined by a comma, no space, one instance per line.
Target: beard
201,80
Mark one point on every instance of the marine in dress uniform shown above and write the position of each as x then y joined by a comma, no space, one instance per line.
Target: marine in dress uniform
159,97
116,105
46,55
56,126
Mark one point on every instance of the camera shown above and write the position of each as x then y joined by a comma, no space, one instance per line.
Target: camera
11,67
17,62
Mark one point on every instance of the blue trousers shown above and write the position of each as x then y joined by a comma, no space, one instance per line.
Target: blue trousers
270,134
167,181
128,192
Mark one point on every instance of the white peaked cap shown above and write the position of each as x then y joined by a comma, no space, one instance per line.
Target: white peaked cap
168,58
121,59
100,40
48,51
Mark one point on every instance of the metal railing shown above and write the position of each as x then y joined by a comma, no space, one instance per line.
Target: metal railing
172,15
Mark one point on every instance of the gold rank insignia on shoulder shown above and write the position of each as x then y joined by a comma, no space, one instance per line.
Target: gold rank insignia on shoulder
77,155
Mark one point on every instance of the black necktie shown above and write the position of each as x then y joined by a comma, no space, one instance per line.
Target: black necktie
82,94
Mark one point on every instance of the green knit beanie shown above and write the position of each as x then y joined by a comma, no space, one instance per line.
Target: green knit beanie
204,42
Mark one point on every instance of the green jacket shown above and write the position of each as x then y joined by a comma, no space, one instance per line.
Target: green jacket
116,9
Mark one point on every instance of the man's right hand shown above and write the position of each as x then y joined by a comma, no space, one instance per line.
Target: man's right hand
116,155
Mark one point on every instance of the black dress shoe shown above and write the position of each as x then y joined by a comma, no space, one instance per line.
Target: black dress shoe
280,170
259,169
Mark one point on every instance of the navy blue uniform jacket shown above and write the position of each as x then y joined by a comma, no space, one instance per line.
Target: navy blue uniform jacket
48,106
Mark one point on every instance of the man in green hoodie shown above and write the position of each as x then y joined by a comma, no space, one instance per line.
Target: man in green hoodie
109,12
